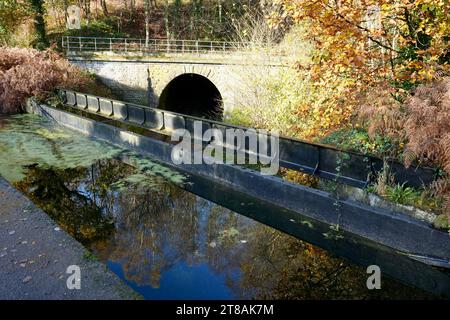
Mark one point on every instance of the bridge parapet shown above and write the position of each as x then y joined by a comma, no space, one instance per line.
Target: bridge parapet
139,49
151,46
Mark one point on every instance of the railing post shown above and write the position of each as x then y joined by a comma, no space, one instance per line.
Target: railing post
79,43
68,45
196,45
211,46
140,46
110,44
126,49
182,46
95,44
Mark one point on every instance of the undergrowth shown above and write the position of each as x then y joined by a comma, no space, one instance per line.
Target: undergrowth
28,72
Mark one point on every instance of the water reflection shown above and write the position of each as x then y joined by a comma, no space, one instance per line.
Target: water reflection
167,243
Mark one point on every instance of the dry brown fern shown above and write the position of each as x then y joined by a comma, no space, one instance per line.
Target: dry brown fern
423,122
29,72
380,112
427,123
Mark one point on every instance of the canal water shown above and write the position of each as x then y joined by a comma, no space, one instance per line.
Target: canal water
148,224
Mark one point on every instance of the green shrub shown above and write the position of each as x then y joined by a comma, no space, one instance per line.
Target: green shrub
97,28
401,194
357,139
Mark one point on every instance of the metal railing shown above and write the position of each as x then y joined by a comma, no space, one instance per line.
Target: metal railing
324,161
130,45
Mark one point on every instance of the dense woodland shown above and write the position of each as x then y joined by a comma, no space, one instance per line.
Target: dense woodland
367,75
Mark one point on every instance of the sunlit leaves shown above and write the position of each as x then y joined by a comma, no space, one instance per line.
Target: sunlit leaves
365,40
12,13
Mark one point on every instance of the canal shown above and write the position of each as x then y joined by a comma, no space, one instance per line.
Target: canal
169,235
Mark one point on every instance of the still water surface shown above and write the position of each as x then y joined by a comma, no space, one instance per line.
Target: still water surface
163,241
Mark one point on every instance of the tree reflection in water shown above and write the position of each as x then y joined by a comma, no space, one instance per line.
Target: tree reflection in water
149,230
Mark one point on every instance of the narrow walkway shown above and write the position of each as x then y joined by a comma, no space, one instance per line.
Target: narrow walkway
35,254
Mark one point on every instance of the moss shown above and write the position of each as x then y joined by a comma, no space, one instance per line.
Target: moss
442,222
89,256
32,141
27,140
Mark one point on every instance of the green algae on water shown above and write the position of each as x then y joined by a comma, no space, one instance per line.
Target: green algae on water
30,140
149,174
27,140
148,166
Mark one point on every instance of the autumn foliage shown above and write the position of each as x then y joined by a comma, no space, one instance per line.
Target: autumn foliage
420,125
366,46
28,72
373,39
385,64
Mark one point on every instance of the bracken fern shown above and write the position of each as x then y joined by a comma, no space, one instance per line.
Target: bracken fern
29,72
423,123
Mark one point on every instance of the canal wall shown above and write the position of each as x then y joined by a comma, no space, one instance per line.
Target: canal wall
398,231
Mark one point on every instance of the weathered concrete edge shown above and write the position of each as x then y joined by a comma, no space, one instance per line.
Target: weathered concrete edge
172,59
393,229
97,281
374,200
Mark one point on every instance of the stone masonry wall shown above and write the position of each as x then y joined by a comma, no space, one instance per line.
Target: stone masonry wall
143,81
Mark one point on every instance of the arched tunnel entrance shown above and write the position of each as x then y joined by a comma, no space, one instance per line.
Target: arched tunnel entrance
192,94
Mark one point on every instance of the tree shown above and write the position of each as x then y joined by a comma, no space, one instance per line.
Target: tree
401,40
166,19
147,21
384,47
37,7
87,10
104,7
195,17
132,6
176,17
12,14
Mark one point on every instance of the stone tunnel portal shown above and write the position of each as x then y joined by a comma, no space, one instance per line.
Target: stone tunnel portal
192,94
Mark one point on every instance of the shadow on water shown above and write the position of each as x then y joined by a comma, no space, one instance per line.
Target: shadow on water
166,242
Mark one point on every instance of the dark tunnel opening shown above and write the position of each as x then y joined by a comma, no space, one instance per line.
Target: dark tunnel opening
194,95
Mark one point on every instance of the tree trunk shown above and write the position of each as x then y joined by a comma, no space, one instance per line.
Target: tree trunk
66,5
104,7
96,9
37,7
220,12
147,21
166,19
87,10
176,18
